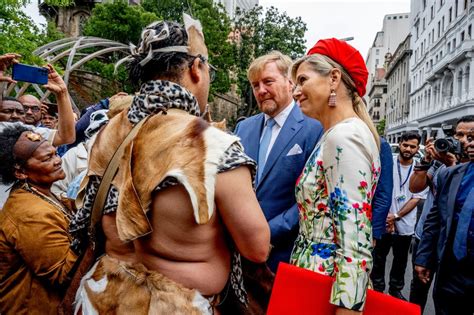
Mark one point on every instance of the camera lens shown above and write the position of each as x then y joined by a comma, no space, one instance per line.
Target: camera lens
442,145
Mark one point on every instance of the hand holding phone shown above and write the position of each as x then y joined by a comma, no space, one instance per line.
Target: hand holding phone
55,83
31,74
6,61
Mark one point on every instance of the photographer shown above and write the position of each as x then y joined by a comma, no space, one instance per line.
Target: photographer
425,175
446,245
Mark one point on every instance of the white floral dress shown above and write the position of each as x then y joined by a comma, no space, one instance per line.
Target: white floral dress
334,195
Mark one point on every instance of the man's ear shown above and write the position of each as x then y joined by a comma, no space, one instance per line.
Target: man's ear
20,173
195,70
292,85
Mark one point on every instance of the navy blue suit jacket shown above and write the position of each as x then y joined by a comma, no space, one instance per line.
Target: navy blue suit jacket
276,190
438,222
383,193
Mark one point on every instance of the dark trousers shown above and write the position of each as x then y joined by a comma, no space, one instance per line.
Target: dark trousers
418,290
454,287
400,244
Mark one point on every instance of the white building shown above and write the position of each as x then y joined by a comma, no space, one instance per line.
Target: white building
442,63
394,30
232,5
398,105
377,96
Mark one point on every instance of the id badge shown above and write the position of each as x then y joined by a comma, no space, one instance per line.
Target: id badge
401,198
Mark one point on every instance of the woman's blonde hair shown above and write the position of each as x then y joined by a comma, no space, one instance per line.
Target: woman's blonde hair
323,65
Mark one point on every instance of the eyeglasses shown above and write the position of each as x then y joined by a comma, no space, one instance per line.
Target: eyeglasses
33,108
212,69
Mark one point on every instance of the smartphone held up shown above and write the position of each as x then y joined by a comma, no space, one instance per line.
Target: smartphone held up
31,74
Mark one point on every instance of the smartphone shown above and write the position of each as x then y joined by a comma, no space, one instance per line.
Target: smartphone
32,74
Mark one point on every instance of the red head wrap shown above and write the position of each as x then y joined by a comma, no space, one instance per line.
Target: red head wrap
347,56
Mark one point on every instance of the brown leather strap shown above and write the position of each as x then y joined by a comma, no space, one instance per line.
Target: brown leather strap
107,178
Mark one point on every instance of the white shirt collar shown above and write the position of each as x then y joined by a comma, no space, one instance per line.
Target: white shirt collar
280,119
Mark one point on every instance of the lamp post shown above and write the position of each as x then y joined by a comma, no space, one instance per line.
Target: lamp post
346,39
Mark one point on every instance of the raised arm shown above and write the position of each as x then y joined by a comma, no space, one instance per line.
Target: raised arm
66,125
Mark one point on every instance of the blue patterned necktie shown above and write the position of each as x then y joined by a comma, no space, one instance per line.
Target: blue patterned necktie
460,240
264,143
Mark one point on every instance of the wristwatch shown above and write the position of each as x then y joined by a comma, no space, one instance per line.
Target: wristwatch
397,217
423,166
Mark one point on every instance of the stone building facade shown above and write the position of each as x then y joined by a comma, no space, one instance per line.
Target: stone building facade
398,82
442,63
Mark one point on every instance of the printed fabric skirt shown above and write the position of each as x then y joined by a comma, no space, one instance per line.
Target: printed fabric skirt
116,287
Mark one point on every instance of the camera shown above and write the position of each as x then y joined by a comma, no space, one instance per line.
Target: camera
449,143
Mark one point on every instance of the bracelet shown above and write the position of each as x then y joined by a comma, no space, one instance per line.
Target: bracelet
397,217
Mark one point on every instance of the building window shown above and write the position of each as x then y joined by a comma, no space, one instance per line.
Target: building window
454,43
385,90
442,24
465,4
462,35
449,47
439,29
450,14
424,4
377,51
376,62
456,8
389,18
432,12
394,17
469,30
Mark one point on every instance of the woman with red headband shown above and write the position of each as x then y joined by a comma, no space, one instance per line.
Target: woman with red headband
35,253
335,189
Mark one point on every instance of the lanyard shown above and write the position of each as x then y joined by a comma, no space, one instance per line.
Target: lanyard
400,174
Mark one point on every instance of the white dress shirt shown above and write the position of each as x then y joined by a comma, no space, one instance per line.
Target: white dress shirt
280,120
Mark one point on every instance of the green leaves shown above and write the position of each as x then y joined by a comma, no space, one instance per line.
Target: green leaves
19,34
118,21
381,127
258,32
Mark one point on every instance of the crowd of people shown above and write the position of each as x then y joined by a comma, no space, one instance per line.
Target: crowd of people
144,206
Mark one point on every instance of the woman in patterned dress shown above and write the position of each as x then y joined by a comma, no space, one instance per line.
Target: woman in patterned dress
335,189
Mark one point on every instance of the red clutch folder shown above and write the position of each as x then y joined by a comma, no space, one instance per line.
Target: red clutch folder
304,292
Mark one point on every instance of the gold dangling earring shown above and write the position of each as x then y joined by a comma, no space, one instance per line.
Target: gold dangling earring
332,98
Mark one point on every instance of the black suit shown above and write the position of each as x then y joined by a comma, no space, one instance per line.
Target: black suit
453,291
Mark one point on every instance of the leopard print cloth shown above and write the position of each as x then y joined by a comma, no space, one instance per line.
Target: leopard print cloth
158,96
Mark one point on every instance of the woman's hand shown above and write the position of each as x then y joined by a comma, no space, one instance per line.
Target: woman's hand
55,83
6,61
345,311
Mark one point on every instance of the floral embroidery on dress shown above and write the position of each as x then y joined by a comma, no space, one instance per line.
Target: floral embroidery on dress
334,194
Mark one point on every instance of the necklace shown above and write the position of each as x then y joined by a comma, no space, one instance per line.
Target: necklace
48,199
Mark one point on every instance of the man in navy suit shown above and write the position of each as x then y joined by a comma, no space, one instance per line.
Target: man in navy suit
447,243
280,139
